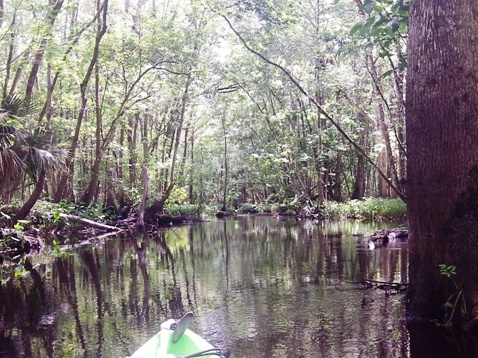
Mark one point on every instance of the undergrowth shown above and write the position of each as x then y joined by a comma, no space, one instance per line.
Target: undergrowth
366,209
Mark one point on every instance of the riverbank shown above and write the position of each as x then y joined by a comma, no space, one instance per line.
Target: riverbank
51,223
367,209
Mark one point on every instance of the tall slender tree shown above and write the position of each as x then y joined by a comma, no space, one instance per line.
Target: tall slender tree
102,11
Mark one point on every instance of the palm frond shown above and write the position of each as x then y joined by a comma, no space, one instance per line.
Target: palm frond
11,169
37,160
7,136
37,139
16,106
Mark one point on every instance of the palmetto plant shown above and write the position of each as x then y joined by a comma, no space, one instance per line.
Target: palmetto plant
11,165
24,155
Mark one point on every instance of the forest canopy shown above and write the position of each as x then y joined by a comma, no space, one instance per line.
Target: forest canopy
202,102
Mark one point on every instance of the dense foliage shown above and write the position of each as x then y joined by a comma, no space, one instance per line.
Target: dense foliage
212,102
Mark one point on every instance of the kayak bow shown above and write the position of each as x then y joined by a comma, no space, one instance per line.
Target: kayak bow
175,340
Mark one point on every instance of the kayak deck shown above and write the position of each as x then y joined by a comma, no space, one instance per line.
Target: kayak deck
189,344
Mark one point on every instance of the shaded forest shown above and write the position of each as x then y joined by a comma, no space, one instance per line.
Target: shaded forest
146,103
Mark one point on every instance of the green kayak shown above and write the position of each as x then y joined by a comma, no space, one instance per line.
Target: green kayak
175,340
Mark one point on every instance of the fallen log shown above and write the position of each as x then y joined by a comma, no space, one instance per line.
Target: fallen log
385,285
390,235
223,214
87,222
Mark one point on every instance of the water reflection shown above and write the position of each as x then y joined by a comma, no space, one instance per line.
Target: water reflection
259,286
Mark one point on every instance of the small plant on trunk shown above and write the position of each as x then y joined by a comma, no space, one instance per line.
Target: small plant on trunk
457,299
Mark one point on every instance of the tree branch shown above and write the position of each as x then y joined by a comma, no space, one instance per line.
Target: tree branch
319,107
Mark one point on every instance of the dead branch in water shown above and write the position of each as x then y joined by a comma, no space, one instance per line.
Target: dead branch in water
88,222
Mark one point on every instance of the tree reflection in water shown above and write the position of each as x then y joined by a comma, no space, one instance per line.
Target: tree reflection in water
259,286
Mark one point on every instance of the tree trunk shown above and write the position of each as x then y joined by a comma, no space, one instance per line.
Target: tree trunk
442,142
144,199
89,193
226,168
102,26
382,186
144,174
360,173
338,178
133,156
2,12
158,205
38,59
35,195
359,183
191,172
102,147
8,67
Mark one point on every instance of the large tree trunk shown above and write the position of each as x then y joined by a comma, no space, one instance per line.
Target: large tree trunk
442,139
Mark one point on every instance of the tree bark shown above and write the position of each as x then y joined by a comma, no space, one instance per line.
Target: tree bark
2,12
35,195
191,171
359,183
442,142
388,161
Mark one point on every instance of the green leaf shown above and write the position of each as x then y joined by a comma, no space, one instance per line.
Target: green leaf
378,8
355,28
387,73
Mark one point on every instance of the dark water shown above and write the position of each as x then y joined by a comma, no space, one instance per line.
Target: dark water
259,287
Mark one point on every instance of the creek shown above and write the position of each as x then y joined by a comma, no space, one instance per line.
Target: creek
258,286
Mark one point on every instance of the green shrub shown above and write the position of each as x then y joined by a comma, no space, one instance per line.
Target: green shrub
248,208
367,209
266,208
182,209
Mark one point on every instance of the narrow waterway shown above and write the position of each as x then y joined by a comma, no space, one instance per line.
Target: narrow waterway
258,286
